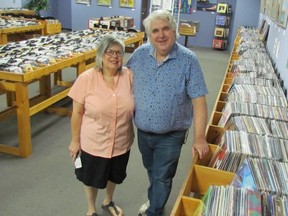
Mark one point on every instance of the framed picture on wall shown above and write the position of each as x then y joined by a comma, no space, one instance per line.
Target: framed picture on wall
222,8
87,2
127,3
219,32
104,2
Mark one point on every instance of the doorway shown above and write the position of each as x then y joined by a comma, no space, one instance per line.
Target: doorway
145,7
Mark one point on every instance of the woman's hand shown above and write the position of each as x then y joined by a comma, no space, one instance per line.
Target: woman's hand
74,148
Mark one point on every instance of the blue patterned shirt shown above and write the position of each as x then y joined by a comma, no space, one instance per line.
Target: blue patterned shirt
163,92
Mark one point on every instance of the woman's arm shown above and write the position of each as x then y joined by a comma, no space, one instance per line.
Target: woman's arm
76,121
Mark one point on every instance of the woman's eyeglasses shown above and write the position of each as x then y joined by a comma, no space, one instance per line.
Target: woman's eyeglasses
118,53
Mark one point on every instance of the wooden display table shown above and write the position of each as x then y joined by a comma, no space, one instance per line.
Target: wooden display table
17,11
17,33
5,33
19,102
26,107
15,26
52,28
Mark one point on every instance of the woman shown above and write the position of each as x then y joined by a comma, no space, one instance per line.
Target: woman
101,124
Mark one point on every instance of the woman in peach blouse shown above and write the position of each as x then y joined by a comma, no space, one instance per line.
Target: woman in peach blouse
101,124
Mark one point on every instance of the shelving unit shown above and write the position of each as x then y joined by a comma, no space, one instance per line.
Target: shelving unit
200,176
222,23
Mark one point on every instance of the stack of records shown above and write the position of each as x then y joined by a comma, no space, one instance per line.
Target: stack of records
263,175
232,201
25,56
16,23
262,126
252,109
236,146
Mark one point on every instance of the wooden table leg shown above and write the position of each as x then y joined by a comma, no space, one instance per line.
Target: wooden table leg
57,77
81,67
45,86
23,119
4,39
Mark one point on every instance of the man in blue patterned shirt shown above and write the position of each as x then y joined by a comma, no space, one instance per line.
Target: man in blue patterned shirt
169,91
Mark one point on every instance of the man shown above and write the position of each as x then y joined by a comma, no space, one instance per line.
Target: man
169,88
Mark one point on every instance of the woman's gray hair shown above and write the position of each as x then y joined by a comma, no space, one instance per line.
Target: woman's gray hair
160,15
107,42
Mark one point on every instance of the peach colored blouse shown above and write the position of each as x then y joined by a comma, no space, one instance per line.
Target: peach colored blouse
107,128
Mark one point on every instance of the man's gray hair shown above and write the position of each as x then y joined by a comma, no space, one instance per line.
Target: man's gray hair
160,15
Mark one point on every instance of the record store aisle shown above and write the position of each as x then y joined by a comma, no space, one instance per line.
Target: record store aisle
44,184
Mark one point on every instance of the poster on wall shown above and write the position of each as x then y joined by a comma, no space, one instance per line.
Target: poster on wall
268,7
86,2
104,2
283,14
263,6
167,5
127,3
207,5
156,2
186,6
274,9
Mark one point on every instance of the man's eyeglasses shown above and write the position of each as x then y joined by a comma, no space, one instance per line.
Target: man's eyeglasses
118,53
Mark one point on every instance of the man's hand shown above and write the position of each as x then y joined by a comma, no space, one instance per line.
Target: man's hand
201,147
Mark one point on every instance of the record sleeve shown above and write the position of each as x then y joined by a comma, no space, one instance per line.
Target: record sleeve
254,203
244,177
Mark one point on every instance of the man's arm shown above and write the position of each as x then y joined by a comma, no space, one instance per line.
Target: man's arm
200,122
